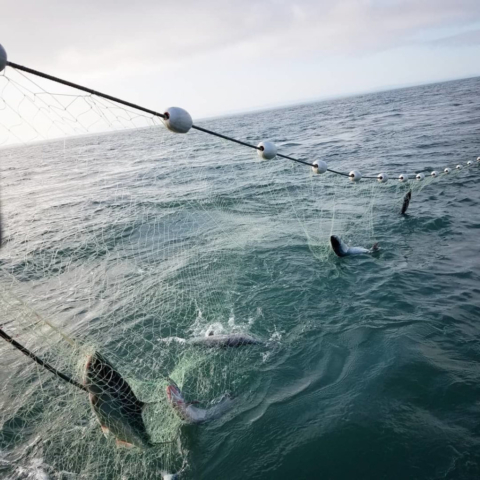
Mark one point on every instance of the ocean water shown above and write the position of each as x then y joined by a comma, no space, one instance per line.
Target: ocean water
129,238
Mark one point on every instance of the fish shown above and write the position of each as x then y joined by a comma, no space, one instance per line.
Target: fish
406,202
196,415
225,340
113,402
342,250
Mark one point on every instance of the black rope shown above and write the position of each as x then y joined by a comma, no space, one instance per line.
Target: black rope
338,173
225,137
83,89
161,115
295,160
28,353
138,107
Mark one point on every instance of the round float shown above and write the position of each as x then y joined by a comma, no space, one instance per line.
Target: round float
355,176
177,120
266,150
3,58
382,177
319,166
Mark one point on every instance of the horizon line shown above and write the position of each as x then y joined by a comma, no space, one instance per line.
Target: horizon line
298,103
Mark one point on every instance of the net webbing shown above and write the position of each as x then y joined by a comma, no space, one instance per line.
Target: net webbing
122,238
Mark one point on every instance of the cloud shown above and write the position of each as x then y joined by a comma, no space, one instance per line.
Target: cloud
121,35
464,39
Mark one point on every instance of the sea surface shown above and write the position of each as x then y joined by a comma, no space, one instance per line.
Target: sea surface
129,240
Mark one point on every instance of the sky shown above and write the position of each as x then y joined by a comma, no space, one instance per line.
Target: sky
215,57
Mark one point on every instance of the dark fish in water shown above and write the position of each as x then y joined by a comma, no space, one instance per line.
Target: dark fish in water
117,408
406,201
342,250
226,340
191,414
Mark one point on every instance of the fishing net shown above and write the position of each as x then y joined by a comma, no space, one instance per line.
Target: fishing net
125,239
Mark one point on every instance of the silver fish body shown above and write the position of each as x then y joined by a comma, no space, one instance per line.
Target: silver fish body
228,340
343,250
195,415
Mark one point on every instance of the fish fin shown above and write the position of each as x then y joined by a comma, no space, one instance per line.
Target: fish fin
211,333
375,247
121,443
406,202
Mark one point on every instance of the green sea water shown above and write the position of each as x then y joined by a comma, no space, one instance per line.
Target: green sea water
127,239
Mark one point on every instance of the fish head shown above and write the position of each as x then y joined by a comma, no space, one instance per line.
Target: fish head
174,394
175,398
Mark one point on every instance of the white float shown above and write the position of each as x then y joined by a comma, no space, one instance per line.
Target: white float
266,150
355,176
319,166
177,120
382,177
434,173
403,177
469,162
3,58
478,159
420,176
458,167
447,170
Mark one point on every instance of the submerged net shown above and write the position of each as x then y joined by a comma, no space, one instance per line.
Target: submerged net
122,238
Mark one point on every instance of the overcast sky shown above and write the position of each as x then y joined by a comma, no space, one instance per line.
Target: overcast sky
213,57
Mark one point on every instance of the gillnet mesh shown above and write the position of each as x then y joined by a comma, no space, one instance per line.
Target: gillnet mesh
124,239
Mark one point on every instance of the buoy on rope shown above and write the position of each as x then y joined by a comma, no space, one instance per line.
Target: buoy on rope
3,58
447,170
434,174
458,167
355,176
177,120
266,150
420,176
382,177
403,177
469,162
319,166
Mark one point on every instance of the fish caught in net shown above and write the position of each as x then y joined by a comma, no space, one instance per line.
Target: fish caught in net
133,262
